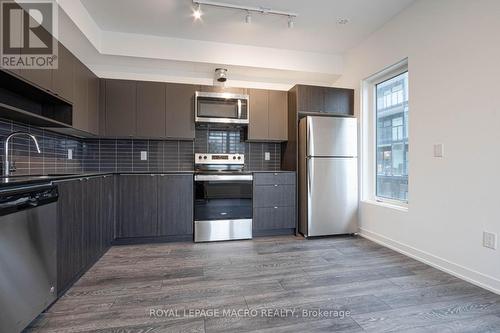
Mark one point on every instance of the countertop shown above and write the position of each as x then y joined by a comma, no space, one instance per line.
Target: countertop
16,181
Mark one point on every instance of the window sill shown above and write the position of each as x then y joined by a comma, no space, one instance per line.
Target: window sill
401,208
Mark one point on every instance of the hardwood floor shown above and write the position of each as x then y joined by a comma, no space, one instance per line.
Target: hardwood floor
361,286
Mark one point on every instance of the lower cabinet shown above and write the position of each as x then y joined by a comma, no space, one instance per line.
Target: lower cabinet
274,207
85,222
154,206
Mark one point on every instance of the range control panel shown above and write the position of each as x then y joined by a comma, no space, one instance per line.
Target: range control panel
235,159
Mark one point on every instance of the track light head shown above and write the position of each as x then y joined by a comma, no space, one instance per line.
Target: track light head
291,23
248,18
197,12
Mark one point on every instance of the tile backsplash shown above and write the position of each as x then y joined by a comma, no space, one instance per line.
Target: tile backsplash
229,141
110,155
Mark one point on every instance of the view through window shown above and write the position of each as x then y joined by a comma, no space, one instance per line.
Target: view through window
392,138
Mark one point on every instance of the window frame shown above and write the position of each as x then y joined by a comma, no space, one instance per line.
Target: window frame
369,136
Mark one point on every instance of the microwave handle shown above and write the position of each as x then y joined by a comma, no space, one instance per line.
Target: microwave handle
239,108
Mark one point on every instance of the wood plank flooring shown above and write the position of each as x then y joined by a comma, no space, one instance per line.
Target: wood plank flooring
360,286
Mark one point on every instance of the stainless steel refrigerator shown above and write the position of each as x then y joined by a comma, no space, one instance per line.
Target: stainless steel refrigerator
328,176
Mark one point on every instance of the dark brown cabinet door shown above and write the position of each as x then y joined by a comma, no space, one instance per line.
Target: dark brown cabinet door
339,101
150,109
175,209
180,110
80,111
278,115
137,206
258,128
63,76
120,111
93,102
69,233
107,210
92,247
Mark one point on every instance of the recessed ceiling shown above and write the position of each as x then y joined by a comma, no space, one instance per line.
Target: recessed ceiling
316,28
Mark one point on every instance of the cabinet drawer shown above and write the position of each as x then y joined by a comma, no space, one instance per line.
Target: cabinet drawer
273,218
274,178
274,195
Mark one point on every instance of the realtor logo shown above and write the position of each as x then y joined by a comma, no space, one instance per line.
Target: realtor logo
28,34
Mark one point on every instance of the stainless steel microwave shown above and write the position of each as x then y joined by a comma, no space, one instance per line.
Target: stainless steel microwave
225,108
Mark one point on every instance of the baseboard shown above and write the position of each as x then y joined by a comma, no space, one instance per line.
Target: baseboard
479,279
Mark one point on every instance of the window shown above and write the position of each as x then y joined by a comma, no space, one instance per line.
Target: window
391,116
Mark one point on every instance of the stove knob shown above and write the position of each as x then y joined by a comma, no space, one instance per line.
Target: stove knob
199,157
239,157
234,157
205,157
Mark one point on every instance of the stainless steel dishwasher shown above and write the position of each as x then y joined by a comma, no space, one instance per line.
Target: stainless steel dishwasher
28,243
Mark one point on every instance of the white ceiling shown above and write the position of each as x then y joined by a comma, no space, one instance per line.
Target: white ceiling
315,28
158,40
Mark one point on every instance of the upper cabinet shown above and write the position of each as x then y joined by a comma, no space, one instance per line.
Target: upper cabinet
153,110
180,110
63,76
80,93
120,108
314,99
268,115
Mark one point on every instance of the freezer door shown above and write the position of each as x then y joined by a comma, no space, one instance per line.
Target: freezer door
332,136
332,196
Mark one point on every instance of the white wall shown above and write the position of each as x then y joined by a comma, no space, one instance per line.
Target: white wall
453,50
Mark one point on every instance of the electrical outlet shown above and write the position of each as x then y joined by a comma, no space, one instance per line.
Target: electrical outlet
70,154
144,155
267,156
439,150
490,240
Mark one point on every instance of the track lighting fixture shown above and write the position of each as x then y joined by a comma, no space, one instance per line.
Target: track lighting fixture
249,10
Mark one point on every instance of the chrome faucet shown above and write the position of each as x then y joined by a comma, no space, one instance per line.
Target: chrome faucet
7,163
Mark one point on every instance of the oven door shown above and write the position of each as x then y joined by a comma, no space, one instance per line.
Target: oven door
221,108
223,207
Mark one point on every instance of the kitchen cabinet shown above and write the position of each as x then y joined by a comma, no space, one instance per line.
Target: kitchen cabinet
92,246
85,221
278,115
137,206
69,233
180,110
274,204
328,100
175,205
150,116
92,102
63,76
107,210
268,115
80,94
120,108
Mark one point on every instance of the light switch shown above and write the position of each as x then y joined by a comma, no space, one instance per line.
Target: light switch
70,154
144,155
439,150
267,156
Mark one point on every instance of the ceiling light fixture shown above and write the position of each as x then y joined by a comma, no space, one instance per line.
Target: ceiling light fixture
197,12
248,18
249,10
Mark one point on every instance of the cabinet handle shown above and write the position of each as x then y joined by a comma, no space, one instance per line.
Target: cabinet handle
275,173
275,207
275,185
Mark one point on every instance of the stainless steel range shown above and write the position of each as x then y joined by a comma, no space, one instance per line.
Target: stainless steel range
223,198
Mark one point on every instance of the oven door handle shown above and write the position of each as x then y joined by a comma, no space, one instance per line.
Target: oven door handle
223,177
